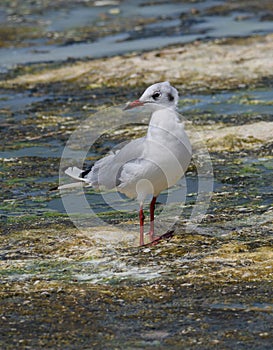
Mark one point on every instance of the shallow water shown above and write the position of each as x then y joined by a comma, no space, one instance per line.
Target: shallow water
228,103
228,108
168,28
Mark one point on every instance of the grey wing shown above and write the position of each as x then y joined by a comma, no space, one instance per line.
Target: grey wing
106,171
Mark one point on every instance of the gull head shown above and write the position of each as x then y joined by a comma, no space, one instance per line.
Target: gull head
159,94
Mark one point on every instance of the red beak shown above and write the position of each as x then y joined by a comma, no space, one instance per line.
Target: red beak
133,104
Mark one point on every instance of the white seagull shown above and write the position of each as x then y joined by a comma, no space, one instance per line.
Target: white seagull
148,165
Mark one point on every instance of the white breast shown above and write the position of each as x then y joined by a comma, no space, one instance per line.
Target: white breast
164,160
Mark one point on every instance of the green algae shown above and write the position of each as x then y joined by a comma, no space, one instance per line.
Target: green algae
201,289
252,5
18,36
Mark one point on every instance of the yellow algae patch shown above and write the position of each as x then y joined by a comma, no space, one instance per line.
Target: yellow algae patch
230,138
208,65
235,138
236,261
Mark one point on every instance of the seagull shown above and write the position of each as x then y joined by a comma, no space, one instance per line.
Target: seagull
146,166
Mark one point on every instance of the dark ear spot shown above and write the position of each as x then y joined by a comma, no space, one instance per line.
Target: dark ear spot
170,97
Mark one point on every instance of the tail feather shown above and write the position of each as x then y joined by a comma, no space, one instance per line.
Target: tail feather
75,173
71,185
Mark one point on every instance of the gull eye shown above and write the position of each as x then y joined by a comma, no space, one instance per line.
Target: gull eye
156,95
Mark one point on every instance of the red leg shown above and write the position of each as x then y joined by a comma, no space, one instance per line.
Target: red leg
141,224
152,218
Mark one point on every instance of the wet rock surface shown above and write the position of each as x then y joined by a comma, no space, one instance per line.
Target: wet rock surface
64,287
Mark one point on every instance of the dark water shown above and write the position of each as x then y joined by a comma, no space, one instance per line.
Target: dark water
172,23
